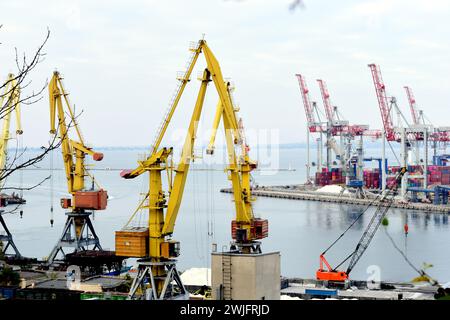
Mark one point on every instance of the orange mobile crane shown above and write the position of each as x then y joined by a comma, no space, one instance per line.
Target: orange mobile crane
335,275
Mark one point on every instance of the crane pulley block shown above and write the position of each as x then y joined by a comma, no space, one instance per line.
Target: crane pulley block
258,229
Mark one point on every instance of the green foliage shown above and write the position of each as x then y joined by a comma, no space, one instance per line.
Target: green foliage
422,278
9,277
385,222
442,294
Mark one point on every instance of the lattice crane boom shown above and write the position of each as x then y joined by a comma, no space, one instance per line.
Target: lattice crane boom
380,90
326,100
313,125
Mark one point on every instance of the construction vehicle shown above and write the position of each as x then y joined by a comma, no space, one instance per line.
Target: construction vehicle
385,201
9,103
157,276
78,232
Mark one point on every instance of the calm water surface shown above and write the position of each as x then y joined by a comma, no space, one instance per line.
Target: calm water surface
300,230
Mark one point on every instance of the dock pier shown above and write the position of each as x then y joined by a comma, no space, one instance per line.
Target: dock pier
349,199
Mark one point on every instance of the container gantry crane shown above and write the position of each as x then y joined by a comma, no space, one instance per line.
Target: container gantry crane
407,135
347,132
157,274
78,232
9,103
335,275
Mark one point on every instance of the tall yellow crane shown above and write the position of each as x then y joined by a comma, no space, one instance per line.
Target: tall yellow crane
78,232
9,103
154,244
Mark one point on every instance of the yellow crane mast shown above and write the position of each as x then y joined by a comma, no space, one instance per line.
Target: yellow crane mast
78,231
157,274
9,103
246,228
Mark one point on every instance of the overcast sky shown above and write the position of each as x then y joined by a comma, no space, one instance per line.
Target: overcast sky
119,59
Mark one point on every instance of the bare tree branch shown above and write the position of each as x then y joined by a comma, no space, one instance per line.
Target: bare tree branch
29,188
11,95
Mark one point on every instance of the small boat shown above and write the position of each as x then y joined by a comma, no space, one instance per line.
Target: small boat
118,272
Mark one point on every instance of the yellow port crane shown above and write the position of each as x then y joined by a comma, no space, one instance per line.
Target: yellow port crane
157,275
78,231
9,103
246,228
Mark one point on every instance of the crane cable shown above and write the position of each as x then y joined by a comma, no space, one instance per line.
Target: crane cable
20,142
421,272
352,224
358,245
51,189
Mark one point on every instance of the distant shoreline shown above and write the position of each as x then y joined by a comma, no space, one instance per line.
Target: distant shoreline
368,145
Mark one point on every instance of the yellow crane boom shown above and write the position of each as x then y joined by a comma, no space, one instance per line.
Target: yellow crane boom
9,103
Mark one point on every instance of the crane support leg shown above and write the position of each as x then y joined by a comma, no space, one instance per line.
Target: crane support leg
8,240
145,286
78,233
